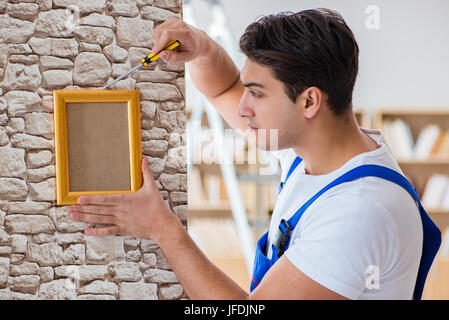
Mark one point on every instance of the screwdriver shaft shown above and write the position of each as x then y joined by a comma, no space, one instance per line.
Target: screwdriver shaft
123,76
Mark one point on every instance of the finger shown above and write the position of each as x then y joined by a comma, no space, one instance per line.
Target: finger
164,25
94,218
93,208
148,180
157,31
167,35
161,42
107,200
104,231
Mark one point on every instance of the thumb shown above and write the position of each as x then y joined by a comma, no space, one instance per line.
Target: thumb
176,56
148,179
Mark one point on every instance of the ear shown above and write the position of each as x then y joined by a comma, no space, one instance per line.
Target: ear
311,99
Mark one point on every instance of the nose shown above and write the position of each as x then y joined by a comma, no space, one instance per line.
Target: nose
244,110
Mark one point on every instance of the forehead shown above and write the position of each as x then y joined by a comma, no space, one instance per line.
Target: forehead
253,71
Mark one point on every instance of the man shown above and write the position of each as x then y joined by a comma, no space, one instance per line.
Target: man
361,239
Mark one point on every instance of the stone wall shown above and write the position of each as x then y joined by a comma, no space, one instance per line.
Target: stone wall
43,253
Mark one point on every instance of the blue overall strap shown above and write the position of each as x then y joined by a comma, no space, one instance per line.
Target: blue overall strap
295,163
431,233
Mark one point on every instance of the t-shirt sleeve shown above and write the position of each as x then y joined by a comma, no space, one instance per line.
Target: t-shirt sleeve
341,239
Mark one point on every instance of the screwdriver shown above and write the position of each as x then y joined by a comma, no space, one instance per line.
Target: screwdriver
146,61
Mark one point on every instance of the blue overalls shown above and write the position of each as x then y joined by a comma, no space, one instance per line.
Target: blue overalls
431,233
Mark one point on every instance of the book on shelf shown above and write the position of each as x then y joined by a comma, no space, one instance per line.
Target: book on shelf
432,141
426,141
436,192
442,149
445,203
399,137
437,145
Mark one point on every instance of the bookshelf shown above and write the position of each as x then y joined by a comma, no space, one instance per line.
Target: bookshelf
419,165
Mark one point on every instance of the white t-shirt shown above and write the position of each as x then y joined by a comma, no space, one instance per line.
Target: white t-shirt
354,231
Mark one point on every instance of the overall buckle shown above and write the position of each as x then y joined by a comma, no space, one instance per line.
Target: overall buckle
282,237
281,186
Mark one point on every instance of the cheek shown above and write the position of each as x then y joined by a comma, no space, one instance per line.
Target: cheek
267,112
275,128
279,117
275,114
285,124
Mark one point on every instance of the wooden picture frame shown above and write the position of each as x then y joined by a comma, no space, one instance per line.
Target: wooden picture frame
97,143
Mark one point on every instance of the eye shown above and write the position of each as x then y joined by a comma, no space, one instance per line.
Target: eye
254,93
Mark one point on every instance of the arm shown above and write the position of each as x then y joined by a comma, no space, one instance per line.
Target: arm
200,278
211,69
144,214
203,280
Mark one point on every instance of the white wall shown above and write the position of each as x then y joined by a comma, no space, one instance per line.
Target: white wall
403,64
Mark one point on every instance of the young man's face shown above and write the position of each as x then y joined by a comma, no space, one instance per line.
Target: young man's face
269,112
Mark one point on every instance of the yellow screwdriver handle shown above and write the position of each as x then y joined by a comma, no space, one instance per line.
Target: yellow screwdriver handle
154,56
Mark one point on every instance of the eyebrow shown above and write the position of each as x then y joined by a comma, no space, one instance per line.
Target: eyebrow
253,84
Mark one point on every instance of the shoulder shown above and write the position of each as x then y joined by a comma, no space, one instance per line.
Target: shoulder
342,212
376,204
375,200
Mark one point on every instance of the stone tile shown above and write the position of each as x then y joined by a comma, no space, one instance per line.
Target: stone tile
104,249
21,223
12,163
12,189
124,271
61,289
138,291
127,37
47,254
91,69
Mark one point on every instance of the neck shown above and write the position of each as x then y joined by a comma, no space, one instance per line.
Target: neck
331,143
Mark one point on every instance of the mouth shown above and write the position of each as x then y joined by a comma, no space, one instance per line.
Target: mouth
251,127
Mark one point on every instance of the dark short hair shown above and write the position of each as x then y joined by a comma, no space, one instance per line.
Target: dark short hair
304,49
